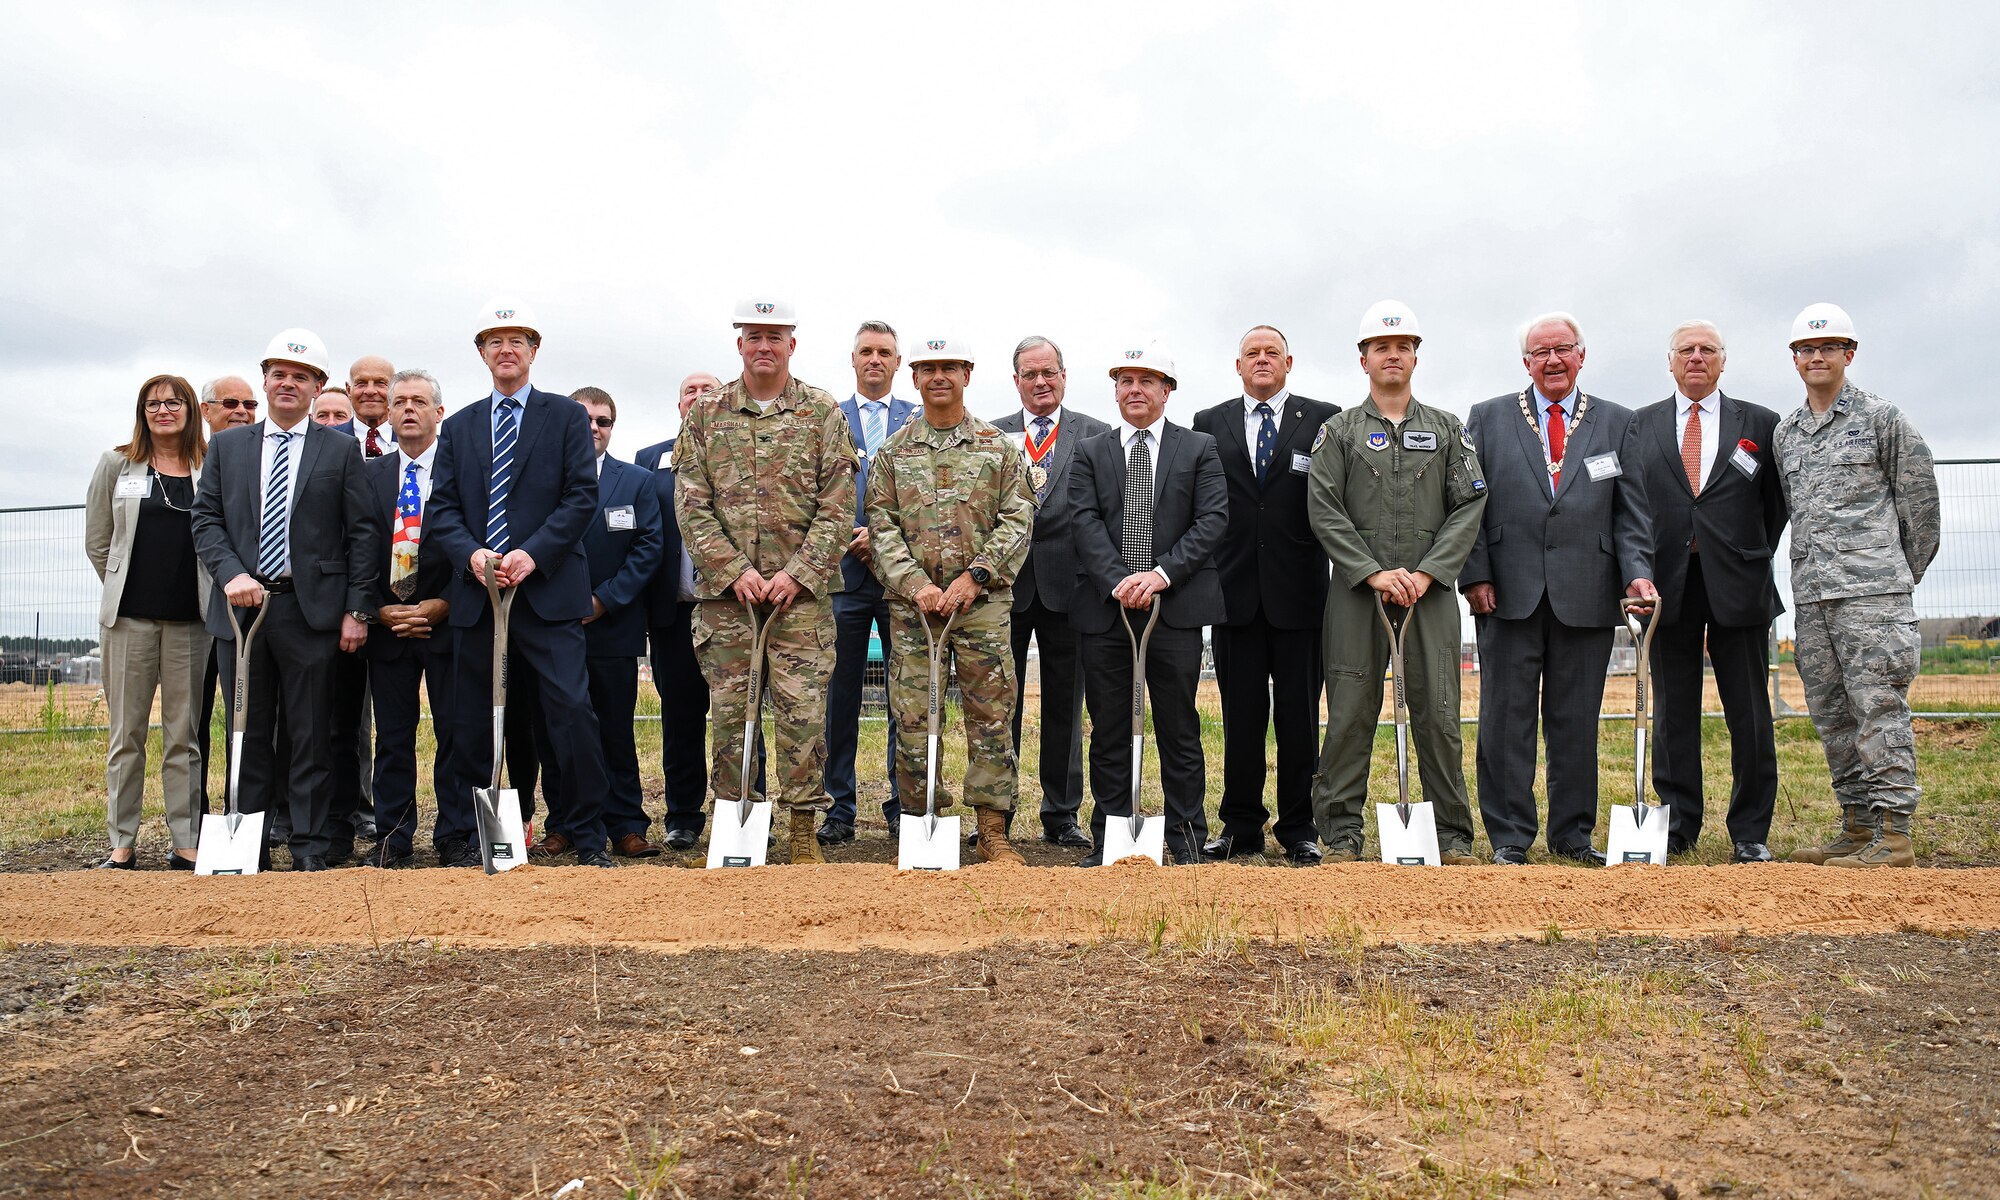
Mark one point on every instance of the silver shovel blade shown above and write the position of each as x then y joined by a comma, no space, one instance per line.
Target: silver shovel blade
1120,841
1637,836
229,844
927,842
1410,841
503,843
739,839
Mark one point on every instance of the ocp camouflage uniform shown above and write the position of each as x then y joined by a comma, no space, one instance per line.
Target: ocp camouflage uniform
1382,496
940,502
1865,525
771,489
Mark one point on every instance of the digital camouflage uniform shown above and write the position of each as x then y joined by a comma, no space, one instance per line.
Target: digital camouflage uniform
941,501
771,489
1865,524
1382,496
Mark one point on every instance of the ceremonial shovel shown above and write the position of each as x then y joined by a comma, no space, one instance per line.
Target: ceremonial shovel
1125,837
1408,832
503,844
744,841
930,842
1639,830
232,842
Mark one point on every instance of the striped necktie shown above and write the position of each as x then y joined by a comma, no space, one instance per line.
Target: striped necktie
1138,531
872,426
504,429
275,534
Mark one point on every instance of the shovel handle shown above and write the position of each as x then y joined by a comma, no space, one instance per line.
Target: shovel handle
1140,640
934,645
760,640
1642,643
239,695
502,600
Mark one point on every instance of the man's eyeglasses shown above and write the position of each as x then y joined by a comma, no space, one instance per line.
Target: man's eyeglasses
1829,349
168,405
1548,352
232,403
1686,352
1051,374
604,422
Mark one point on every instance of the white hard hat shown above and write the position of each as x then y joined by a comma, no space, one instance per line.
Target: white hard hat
1153,356
301,346
1823,321
765,310
505,313
944,349
1389,318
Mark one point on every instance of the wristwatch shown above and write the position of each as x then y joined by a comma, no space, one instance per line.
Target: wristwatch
362,615
980,576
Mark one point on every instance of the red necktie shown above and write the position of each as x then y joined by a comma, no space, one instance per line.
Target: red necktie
1691,449
374,445
1557,432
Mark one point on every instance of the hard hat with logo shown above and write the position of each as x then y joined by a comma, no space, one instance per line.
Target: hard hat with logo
1389,318
765,310
301,346
1823,321
941,349
1153,356
505,313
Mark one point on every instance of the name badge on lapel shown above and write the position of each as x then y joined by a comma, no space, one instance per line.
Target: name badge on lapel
1603,467
1420,439
618,518
1301,463
1745,462
134,487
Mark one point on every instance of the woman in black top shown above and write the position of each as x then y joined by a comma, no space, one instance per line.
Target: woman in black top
140,539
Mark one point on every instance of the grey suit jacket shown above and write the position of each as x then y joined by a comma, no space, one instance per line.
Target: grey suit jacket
1580,545
1050,572
110,521
335,545
1190,516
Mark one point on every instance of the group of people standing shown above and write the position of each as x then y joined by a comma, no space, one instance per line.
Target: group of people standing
1277,522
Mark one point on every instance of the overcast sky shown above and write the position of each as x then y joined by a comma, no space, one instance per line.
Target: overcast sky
179,183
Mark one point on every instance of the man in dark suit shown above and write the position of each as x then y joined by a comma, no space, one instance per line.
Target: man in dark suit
1564,538
1050,435
623,548
1717,506
1151,508
517,486
1274,581
410,641
280,519
872,415
677,677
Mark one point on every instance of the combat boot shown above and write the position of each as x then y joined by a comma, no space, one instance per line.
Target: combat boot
1889,848
1857,830
993,844
805,846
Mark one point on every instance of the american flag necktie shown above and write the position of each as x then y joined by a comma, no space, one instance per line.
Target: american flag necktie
504,430
409,535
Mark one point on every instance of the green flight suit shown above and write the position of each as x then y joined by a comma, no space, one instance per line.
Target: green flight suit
1382,496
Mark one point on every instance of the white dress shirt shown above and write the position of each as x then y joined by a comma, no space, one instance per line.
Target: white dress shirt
1711,428
1253,424
292,453
1028,420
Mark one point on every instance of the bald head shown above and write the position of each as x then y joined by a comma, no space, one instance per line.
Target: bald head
694,387
368,388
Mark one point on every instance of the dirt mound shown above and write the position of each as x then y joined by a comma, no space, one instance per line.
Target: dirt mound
844,907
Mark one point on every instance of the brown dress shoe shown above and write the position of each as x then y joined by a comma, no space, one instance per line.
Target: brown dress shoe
552,845
634,845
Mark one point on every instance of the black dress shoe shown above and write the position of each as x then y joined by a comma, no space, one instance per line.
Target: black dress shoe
275,838
459,854
1229,845
381,856
1509,856
1676,844
593,858
681,839
365,831
1583,856
834,833
1093,859
308,862
339,856
115,864
1066,834
176,863
1750,852
1304,854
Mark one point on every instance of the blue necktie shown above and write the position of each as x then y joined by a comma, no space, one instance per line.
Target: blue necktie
872,425
1267,438
273,550
503,476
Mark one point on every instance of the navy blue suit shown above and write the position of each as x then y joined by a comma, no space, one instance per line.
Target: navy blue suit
858,605
623,548
550,505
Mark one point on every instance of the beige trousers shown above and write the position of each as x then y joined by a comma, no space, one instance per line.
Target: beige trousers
142,658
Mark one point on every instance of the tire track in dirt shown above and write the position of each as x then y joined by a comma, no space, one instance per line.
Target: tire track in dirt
846,907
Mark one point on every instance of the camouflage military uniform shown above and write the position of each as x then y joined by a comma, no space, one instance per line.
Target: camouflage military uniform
771,489
1864,503
941,501
1382,496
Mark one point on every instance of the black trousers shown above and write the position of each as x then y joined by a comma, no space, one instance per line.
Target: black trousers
209,680
1742,666
393,684
527,742
1173,669
553,654
853,614
291,664
1539,662
683,719
1268,677
352,765
614,695
1061,763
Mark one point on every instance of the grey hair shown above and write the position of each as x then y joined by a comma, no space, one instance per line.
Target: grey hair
1032,341
437,389
875,327
1282,339
208,389
1546,318
1690,326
